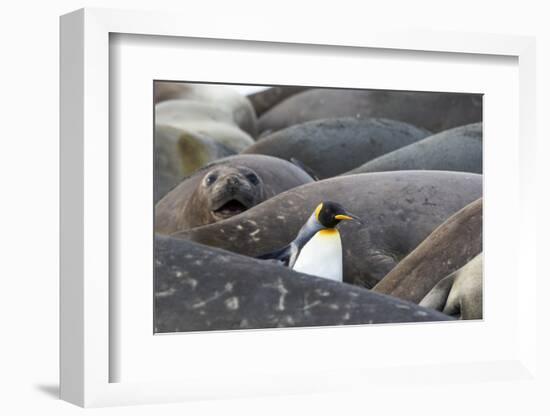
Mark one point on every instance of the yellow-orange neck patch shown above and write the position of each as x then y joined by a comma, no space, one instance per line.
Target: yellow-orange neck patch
328,232
318,210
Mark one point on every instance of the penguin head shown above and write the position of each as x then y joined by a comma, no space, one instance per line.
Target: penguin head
329,214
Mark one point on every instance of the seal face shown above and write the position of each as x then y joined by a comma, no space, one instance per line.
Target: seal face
223,189
230,190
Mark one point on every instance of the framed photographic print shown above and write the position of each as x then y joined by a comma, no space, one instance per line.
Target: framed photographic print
286,213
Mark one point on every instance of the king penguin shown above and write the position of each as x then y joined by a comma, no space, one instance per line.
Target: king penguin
317,249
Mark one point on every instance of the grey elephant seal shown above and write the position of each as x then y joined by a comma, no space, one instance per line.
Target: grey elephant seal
458,149
333,146
266,99
398,209
199,288
461,293
205,119
225,188
179,153
446,249
431,110
225,98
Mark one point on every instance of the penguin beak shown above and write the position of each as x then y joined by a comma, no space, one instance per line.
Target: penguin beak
348,217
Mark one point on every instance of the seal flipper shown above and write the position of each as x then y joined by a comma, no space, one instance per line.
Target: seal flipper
305,168
285,256
437,297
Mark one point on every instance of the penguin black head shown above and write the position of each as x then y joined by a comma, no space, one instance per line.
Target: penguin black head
329,214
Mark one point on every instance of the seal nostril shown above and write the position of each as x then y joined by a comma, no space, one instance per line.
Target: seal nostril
233,180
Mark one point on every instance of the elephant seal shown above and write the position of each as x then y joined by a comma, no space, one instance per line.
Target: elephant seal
333,146
461,293
199,288
223,97
434,111
446,249
225,188
458,149
205,119
179,153
398,209
266,99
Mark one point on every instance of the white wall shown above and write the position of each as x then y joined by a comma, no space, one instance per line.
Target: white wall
29,207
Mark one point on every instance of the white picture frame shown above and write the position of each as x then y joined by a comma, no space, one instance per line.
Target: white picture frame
86,350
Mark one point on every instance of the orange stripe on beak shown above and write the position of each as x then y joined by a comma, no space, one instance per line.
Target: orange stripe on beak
343,217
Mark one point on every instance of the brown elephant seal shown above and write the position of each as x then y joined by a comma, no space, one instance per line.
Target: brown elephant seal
200,288
333,146
225,188
266,99
434,111
232,102
203,118
461,293
179,153
398,209
458,149
446,249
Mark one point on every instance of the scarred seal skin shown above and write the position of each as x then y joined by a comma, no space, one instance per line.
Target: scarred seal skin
398,209
433,111
449,247
200,288
225,188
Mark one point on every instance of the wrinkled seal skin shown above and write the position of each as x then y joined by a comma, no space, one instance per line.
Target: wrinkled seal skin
458,149
179,153
431,110
199,288
457,241
461,293
399,209
241,111
190,203
333,146
266,99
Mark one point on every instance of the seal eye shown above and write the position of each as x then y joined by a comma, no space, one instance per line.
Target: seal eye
253,179
210,179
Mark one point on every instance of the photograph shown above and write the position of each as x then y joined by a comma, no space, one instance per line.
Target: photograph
293,206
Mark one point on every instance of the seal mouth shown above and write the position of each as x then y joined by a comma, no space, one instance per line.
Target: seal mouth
229,209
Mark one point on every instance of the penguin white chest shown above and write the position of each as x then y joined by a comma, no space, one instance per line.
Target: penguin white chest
322,256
